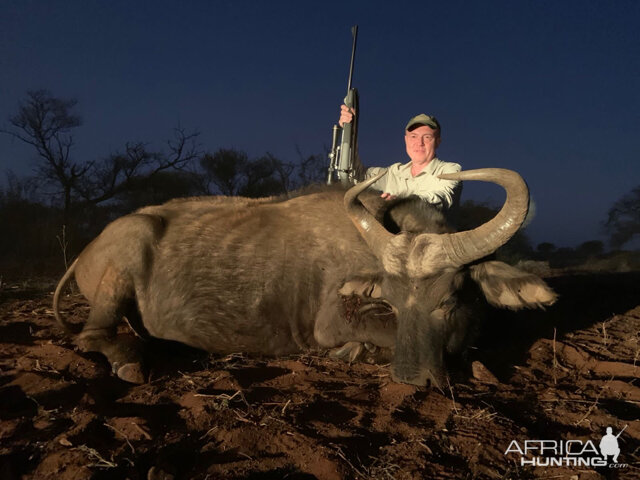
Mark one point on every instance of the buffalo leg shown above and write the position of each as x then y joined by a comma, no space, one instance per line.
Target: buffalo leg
366,329
353,351
109,304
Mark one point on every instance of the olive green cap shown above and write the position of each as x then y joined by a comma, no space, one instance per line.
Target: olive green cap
422,119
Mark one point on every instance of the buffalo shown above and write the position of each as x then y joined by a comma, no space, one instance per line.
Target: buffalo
326,270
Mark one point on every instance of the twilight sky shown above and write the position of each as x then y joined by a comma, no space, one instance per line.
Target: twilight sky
548,88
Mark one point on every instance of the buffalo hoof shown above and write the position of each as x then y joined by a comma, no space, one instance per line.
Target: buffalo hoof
377,355
349,352
130,372
421,379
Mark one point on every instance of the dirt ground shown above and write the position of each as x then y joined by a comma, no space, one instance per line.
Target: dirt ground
566,373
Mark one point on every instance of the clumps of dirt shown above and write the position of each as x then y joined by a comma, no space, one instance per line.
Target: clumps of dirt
567,373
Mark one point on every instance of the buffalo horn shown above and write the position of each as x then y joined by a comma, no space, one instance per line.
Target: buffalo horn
465,247
376,236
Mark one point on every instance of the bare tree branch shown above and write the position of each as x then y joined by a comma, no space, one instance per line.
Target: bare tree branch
46,123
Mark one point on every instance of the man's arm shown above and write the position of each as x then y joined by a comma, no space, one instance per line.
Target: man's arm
347,115
445,197
380,184
442,193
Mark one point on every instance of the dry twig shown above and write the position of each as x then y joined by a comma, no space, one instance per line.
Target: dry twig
144,433
555,358
101,462
341,454
133,450
453,398
208,432
594,404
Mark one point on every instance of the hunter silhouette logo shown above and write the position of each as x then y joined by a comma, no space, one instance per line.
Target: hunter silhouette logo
568,453
609,444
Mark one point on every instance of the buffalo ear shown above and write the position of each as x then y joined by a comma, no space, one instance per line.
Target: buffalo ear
505,286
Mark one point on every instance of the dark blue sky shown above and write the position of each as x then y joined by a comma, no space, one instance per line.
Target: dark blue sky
547,88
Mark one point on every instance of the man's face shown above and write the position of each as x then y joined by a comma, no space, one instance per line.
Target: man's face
421,144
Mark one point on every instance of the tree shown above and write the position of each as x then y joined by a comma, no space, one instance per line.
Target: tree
231,172
564,257
124,171
591,248
156,189
624,219
312,169
29,230
224,169
546,249
267,176
47,123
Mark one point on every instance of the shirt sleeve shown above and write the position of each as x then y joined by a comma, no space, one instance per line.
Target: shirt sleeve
380,184
443,193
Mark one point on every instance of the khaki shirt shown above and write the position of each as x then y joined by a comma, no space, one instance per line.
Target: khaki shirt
399,182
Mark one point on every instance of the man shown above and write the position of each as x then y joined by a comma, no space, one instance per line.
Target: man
420,175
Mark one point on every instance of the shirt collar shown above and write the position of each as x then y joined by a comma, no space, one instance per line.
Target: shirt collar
405,170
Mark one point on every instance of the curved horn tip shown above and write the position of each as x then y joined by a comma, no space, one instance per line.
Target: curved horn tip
357,189
484,175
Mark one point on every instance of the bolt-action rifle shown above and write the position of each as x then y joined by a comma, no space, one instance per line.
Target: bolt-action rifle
342,155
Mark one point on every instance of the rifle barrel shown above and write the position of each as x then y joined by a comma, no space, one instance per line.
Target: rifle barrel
625,427
354,32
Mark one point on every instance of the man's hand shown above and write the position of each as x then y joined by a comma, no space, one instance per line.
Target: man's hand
346,115
388,196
